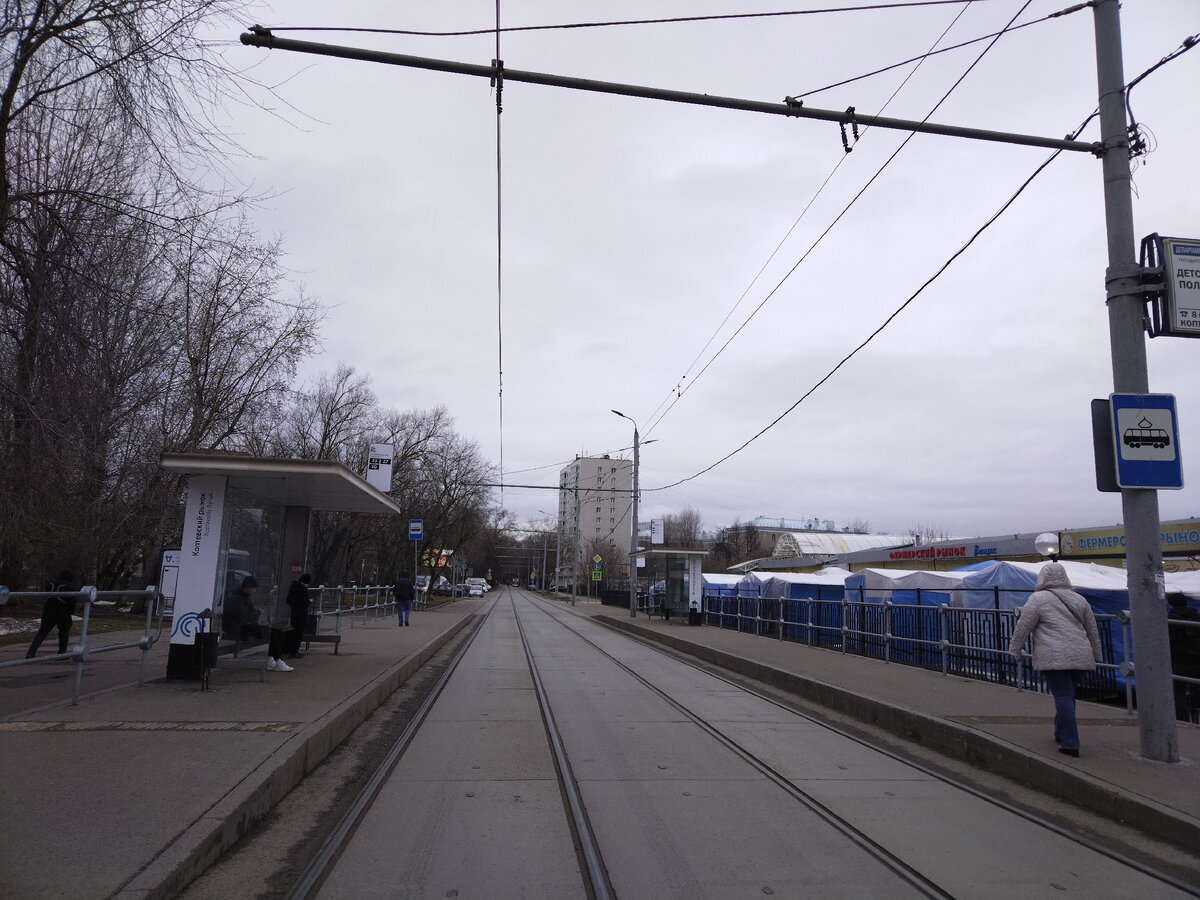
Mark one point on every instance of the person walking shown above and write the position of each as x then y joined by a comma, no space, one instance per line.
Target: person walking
56,613
1066,643
297,601
404,597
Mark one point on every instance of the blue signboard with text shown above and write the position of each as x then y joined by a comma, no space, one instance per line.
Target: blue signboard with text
415,528
1146,441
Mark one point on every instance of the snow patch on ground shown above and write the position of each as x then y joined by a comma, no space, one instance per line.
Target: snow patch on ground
9,625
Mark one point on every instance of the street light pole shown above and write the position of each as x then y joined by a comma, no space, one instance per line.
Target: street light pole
633,534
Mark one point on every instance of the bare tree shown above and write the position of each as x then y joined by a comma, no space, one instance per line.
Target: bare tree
682,530
145,61
105,236
736,543
922,533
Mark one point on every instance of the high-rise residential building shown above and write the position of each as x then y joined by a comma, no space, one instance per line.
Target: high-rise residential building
595,499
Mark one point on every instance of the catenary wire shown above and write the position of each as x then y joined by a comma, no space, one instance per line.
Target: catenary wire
886,322
678,391
833,224
674,20
1187,45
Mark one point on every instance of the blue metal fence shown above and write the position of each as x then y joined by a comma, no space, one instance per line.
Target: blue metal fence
972,643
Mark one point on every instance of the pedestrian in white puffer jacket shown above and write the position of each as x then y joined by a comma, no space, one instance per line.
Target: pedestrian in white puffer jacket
1066,643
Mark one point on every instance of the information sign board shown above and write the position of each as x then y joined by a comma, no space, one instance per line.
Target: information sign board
416,527
1175,306
379,467
1146,441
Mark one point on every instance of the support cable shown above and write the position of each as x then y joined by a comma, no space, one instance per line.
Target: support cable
1188,44
887,162
886,322
678,391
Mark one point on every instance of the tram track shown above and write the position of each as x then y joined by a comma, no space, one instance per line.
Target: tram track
597,881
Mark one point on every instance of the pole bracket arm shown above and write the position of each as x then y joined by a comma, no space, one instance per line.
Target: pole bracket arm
259,36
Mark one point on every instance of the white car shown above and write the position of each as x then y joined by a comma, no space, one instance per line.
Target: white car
475,590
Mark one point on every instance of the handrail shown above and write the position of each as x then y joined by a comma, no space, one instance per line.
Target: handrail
83,651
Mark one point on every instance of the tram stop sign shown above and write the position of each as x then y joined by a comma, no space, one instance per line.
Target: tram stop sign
1145,433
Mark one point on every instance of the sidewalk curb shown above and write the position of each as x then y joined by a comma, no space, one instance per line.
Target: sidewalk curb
951,739
203,842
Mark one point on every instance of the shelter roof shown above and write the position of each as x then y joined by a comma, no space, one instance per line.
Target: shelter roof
661,552
311,483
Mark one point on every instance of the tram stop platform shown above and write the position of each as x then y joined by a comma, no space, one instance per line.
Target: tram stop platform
135,790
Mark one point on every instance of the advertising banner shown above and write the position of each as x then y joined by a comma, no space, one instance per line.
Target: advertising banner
198,557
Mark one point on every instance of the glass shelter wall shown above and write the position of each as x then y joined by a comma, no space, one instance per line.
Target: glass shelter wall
252,545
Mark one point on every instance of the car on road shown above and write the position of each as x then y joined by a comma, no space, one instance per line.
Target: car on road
475,590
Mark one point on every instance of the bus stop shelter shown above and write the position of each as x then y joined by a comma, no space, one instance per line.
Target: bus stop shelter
676,586
243,516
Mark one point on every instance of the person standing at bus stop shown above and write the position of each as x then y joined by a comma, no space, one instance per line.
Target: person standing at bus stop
404,597
297,601
1066,644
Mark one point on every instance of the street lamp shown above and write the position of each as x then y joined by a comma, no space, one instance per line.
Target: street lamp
634,529
1047,544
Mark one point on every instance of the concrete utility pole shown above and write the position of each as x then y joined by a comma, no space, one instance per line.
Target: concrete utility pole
633,547
1126,331
575,561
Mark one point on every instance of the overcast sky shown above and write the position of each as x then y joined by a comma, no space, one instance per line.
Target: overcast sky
638,236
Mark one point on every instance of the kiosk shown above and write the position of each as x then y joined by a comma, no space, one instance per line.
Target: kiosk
249,516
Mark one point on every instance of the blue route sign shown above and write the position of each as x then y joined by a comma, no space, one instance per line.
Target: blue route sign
1146,441
416,527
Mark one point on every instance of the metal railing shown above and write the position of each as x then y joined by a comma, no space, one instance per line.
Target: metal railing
972,643
85,650
359,603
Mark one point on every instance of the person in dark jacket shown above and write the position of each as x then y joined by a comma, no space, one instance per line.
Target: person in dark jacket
1185,654
404,597
56,613
1066,644
297,601
239,620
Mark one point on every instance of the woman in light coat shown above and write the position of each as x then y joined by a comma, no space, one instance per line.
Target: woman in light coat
1066,643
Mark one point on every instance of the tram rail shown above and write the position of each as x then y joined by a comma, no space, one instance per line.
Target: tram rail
597,881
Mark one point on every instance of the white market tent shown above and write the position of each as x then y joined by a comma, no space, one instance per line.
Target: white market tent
1187,583
908,586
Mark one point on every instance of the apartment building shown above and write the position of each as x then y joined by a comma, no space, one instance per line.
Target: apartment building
595,499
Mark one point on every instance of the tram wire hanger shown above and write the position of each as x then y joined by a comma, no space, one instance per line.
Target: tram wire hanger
497,73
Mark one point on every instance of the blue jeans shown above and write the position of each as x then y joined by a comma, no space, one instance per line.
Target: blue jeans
403,608
1061,684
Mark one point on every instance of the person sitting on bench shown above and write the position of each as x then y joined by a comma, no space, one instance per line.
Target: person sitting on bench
239,621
